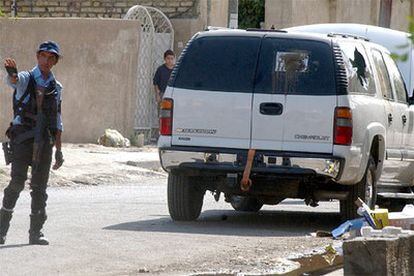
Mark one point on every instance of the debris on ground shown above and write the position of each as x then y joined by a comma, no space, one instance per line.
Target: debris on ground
322,234
320,261
138,140
376,219
386,232
380,217
112,138
365,211
403,219
349,226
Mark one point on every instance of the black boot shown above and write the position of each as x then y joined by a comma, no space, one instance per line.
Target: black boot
36,223
5,217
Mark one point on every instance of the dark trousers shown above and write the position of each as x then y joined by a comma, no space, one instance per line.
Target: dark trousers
22,158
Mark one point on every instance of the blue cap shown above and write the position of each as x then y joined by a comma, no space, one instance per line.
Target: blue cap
49,46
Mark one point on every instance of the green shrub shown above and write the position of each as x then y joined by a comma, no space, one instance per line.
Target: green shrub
251,13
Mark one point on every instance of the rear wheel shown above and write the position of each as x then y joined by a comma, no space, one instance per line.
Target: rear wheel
245,204
365,189
185,199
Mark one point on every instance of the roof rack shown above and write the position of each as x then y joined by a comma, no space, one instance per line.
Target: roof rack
265,30
345,35
214,28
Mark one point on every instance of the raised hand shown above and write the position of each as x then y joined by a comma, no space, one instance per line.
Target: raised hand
11,68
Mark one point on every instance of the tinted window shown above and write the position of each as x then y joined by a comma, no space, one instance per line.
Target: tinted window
384,79
219,64
359,72
295,66
396,79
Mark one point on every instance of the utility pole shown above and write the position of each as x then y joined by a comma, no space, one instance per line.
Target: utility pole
13,8
233,17
385,14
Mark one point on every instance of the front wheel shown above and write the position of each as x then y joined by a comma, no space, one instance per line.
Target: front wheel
185,199
366,190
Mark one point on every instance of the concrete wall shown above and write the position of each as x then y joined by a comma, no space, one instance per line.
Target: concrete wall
210,13
217,13
357,11
288,13
98,71
399,13
300,8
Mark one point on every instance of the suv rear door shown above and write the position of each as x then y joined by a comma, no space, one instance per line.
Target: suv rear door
213,91
295,97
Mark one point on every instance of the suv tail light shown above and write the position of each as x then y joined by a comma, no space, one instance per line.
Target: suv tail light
343,126
166,116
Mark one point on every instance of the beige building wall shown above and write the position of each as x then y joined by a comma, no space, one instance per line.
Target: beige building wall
357,11
307,12
210,13
288,13
98,71
278,13
400,12
218,13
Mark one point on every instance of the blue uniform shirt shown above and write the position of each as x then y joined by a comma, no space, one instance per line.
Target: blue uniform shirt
21,87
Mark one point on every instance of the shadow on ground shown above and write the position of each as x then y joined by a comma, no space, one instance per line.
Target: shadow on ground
14,246
225,222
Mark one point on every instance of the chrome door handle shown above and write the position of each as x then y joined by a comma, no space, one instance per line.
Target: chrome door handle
271,108
389,118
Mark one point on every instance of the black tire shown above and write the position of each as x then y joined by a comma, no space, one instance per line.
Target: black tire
185,199
348,207
245,204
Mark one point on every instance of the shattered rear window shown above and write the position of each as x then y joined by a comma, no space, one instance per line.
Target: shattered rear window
292,61
295,66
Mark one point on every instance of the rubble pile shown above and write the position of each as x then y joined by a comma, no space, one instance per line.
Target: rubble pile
112,138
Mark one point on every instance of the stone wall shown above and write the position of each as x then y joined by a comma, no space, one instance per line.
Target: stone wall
97,8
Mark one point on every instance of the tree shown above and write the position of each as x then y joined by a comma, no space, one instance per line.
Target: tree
251,13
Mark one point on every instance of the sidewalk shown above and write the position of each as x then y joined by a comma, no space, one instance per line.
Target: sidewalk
90,164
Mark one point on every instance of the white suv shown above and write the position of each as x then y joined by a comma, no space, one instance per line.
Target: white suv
322,116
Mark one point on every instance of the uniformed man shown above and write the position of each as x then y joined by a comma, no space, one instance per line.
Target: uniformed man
35,129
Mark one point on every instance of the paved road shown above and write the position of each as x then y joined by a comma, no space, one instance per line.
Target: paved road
125,229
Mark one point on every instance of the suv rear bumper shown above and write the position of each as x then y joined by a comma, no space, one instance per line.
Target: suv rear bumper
217,161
